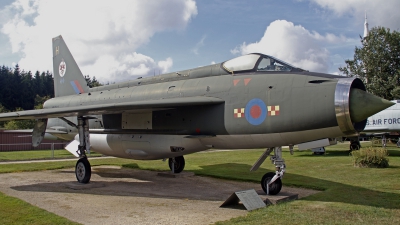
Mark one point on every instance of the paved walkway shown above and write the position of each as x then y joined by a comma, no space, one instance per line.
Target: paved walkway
52,160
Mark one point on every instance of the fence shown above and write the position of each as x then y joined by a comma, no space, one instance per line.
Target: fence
22,141
51,145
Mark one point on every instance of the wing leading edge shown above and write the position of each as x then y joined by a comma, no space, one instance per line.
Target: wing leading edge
83,110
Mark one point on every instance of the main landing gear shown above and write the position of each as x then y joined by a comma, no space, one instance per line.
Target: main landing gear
271,182
83,170
177,164
355,144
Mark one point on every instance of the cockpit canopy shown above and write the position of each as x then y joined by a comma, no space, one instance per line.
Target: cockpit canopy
258,62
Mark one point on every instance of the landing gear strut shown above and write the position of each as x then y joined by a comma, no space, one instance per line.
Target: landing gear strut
271,182
177,164
83,171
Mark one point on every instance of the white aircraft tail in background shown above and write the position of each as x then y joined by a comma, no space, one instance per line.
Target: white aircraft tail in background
385,124
387,120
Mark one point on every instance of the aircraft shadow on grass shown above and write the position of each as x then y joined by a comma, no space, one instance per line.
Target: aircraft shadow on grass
391,152
143,183
327,154
345,153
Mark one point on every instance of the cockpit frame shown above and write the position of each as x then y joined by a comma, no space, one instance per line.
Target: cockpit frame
257,62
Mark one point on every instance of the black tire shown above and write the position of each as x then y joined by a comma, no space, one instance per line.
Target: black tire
83,171
275,187
179,164
354,147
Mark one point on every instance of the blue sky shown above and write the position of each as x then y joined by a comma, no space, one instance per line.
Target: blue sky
121,40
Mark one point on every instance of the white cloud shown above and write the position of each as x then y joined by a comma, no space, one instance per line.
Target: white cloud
235,50
295,45
102,36
165,65
380,13
126,67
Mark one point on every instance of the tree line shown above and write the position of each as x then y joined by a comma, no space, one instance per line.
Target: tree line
19,89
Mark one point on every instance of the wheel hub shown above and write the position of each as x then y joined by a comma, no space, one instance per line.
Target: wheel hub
80,171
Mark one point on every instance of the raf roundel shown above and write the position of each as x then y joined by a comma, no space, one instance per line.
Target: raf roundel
62,68
255,111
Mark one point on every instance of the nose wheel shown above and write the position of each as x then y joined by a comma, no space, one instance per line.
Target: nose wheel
271,182
271,188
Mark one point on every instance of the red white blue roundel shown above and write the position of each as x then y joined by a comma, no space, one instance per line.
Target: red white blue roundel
255,111
62,68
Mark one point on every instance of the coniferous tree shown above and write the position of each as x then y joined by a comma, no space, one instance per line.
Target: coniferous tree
93,82
3,74
2,110
5,87
19,90
27,94
38,84
49,84
16,88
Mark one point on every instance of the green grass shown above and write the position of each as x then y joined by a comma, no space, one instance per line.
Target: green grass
16,211
350,195
26,167
38,154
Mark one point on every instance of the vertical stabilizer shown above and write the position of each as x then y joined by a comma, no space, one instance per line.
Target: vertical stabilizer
68,78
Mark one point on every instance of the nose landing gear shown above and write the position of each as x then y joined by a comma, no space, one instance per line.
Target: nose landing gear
271,182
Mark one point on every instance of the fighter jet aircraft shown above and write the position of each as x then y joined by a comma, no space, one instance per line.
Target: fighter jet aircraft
252,101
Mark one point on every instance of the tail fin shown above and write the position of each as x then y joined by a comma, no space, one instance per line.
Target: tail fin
68,78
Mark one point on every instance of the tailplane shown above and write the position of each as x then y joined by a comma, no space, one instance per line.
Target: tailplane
68,78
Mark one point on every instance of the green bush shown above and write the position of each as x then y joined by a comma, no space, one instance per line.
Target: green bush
370,157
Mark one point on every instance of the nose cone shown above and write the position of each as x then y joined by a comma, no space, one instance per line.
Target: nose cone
364,105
